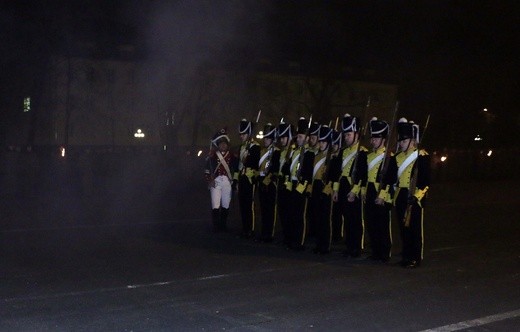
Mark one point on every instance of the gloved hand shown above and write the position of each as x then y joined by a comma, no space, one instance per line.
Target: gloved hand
267,180
327,190
250,173
301,187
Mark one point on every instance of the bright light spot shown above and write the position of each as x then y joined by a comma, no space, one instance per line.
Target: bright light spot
139,133
62,151
27,104
485,109
199,153
260,135
478,138
443,158
490,152
164,147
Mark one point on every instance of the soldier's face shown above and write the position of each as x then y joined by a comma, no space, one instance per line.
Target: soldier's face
335,147
376,142
284,141
313,139
300,139
349,137
406,144
243,137
267,141
223,146
323,145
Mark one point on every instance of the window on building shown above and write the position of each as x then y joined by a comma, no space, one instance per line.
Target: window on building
27,104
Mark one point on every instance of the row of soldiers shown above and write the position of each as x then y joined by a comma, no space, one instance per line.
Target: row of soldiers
323,184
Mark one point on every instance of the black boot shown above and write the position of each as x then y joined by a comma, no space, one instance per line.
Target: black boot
215,217
223,219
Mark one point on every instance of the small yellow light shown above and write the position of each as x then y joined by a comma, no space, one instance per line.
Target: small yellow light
199,153
443,158
62,151
490,152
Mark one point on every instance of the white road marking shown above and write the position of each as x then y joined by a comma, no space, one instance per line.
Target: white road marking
476,322
155,284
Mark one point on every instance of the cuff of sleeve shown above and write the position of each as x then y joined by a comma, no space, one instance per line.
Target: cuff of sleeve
355,189
335,186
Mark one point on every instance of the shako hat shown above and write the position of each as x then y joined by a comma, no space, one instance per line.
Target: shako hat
285,130
269,131
220,136
378,128
314,129
336,138
350,123
325,134
303,126
407,129
245,127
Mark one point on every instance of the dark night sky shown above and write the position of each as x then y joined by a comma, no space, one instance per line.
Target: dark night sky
450,58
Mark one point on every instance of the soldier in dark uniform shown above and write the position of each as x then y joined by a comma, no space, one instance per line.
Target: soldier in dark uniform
337,216
300,177
312,146
283,206
221,164
378,203
347,188
249,156
321,191
413,180
269,164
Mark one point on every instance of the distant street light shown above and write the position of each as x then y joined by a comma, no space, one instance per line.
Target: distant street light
139,134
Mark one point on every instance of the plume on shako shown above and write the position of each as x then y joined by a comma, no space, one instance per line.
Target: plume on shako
378,128
407,129
245,127
303,126
285,130
350,123
269,131
325,134
220,136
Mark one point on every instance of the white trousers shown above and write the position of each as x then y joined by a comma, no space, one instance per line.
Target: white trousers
221,192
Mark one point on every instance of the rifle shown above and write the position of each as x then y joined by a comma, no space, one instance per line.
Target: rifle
413,180
363,130
384,162
271,150
302,152
250,138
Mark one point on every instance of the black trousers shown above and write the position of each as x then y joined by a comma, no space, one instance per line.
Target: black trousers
353,220
298,220
321,210
283,207
337,222
378,223
246,192
267,195
412,236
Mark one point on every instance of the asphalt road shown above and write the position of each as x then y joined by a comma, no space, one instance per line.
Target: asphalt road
133,269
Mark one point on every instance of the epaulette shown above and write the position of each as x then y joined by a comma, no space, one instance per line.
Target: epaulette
363,149
253,142
423,152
